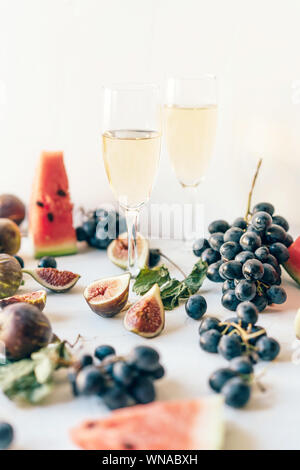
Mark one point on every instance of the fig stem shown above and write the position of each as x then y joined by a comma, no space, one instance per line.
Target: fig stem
248,213
173,263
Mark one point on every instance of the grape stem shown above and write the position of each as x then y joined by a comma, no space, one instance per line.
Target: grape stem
248,213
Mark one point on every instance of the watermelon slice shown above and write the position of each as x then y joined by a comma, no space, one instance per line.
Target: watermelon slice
50,214
170,425
292,266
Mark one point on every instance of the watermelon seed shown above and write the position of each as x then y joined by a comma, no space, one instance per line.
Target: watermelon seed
50,217
61,193
39,203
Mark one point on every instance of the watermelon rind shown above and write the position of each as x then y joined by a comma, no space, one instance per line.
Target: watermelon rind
292,266
292,271
59,250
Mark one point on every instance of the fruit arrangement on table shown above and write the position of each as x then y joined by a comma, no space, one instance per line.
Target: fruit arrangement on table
245,257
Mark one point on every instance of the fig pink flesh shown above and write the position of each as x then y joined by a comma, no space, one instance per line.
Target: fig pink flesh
104,291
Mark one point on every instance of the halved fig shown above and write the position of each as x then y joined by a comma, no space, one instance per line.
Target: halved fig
117,251
147,316
108,296
37,298
53,279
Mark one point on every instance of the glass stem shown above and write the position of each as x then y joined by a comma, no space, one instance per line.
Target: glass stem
132,217
190,224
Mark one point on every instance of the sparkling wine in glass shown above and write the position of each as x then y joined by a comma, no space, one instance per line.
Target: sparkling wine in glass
131,148
190,116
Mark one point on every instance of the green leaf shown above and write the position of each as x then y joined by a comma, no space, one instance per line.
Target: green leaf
148,277
195,279
171,290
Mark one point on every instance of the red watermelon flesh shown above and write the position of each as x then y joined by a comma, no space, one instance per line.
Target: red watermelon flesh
171,425
292,266
50,214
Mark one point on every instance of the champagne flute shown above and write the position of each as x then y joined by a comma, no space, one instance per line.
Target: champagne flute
131,148
190,126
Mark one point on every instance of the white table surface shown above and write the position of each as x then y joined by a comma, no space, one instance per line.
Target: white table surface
270,421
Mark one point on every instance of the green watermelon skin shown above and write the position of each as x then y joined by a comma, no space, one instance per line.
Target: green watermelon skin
292,266
51,210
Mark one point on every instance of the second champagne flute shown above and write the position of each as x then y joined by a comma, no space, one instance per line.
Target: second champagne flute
131,149
190,126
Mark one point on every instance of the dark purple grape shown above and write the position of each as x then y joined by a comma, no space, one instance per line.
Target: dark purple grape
260,301
233,234
247,312
275,233
265,207
289,240
229,300
262,253
240,223
218,226
270,275
213,272
253,270
280,251
216,240
245,290
227,285
210,256
250,241
279,220
199,246
243,256
276,295
231,270
229,250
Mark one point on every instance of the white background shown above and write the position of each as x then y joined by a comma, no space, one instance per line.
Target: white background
56,54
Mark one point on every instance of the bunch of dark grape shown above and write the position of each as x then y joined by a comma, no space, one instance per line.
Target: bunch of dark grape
119,381
246,257
241,342
101,227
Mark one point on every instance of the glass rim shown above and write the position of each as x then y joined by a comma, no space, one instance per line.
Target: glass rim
130,86
195,78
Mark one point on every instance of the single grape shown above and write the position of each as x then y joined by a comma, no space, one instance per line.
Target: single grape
90,381
229,250
279,220
154,257
272,261
241,365
229,300
253,270
243,256
80,234
47,262
233,234
275,233
265,207
144,358
260,302
276,295
267,348
228,285
252,229
216,240
89,226
199,246
289,240
6,435
261,220
280,251
210,256
85,360
231,270
213,272
270,274
262,253
247,312
20,260
218,379
123,373
196,306
142,390
230,347
115,397
218,226
245,290
103,351
209,340
209,323
240,223
236,393
250,241
158,373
